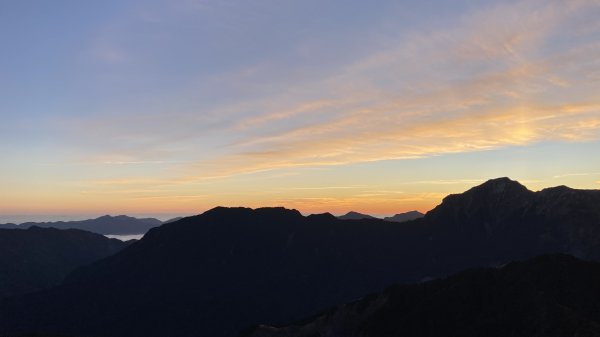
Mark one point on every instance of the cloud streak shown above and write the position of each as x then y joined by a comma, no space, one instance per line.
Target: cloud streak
413,99
513,74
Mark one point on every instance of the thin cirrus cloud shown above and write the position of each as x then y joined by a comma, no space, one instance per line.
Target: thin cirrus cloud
576,175
516,73
519,90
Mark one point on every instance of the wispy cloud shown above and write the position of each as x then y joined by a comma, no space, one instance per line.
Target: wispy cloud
583,174
447,182
329,188
162,103
517,92
171,198
129,182
138,162
500,76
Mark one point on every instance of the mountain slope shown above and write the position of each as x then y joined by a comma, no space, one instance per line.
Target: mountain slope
355,216
116,225
546,296
37,258
403,217
220,272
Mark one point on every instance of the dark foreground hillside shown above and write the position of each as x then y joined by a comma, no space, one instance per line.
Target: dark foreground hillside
37,258
221,272
550,296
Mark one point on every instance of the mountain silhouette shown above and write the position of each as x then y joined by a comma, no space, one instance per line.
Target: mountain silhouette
220,272
546,296
115,225
403,217
37,258
173,220
355,216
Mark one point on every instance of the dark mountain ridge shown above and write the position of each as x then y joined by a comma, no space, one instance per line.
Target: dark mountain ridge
37,258
355,216
116,225
546,296
403,217
229,268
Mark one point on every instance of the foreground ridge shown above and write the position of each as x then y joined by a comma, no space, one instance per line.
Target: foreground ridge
546,296
227,269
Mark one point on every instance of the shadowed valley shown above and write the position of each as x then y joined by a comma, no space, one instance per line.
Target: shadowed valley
37,258
546,296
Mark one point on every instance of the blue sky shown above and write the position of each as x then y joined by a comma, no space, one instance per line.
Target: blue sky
178,106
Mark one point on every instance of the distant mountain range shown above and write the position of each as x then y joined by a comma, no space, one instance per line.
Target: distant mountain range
115,225
37,258
546,296
126,225
355,216
401,217
221,272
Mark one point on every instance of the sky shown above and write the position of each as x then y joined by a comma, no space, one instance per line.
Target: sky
176,106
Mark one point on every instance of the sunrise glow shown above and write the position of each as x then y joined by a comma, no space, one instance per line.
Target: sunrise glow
130,107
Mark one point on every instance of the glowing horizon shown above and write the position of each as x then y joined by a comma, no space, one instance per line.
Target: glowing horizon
175,107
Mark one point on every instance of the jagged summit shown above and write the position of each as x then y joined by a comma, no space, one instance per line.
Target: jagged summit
498,186
494,200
